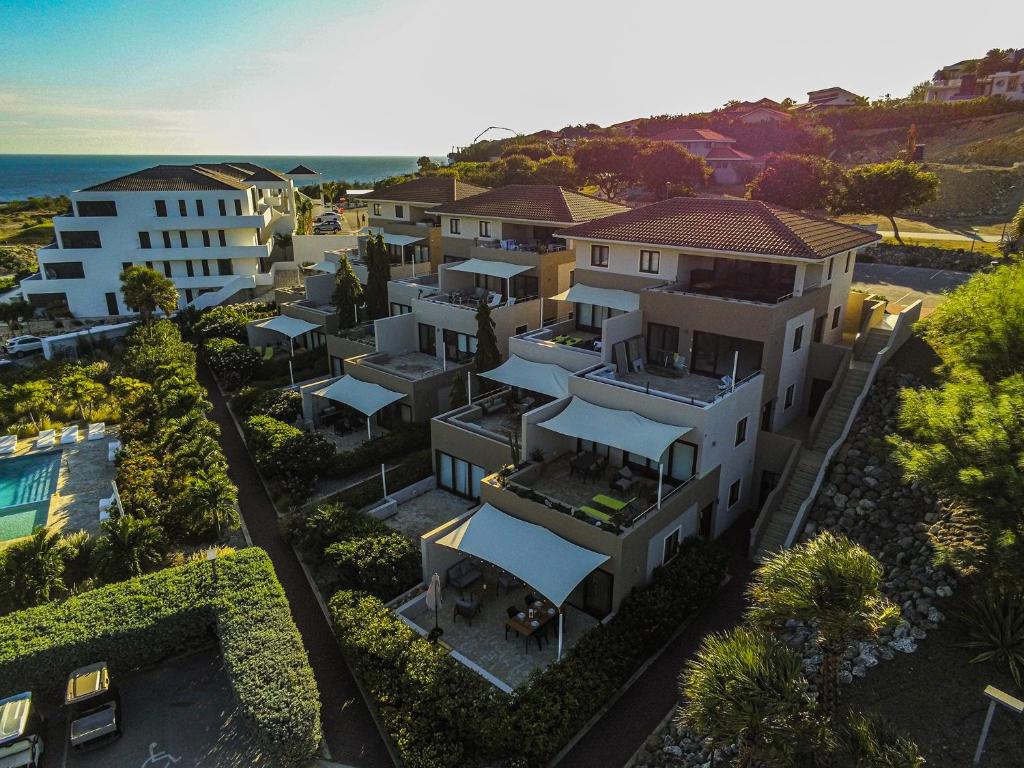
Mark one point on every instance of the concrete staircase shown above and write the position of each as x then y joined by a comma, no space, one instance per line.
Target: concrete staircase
812,454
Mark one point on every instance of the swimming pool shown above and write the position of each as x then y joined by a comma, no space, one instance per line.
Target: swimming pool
26,485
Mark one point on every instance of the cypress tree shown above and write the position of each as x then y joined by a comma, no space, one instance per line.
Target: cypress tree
379,273
348,294
487,356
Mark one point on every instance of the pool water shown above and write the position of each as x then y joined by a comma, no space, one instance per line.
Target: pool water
26,485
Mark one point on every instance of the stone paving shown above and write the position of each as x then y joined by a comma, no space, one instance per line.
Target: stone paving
428,511
84,479
483,642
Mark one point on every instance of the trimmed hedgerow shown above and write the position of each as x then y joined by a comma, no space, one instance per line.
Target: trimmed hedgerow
440,714
234,363
384,564
141,621
386,447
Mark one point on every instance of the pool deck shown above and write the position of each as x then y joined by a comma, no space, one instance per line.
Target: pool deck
84,478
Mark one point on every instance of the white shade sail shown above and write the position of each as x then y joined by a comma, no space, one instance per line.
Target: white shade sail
546,378
602,297
329,267
392,239
550,564
501,269
365,397
626,430
287,326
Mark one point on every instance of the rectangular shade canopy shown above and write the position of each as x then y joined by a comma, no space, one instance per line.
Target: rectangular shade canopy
626,430
365,397
325,266
287,326
547,562
391,239
501,269
602,297
546,378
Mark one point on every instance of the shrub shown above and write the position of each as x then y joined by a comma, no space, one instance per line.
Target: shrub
144,620
229,320
288,455
994,618
281,404
384,565
439,713
232,362
305,365
380,449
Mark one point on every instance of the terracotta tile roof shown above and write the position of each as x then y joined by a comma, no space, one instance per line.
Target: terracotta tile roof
301,169
738,226
243,171
433,190
692,134
169,178
720,152
533,202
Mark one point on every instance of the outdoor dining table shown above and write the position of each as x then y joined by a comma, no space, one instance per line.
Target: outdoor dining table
543,613
582,463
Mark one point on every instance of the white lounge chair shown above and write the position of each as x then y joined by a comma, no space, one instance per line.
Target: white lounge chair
8,444
69,435
97,431
494,300
46,438
112,448
725,384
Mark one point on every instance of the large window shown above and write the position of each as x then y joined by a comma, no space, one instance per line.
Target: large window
376,209
454,226
459,347
650,261
835,316
399,211
682,462
225,267
161,207
715,355
64,270
428,339
798,338
182,208
589,317
599,255
144,241
459,476
183,238
400,309
238,207
525,286
80,239
485,229
222,207
97,208
662,343
166,238
199,208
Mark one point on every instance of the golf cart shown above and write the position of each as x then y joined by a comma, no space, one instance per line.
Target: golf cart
94,706
21,733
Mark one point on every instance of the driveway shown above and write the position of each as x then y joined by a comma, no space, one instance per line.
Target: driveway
905,285
349,729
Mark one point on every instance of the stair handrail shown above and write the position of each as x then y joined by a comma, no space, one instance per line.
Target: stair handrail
774,499
873,312
899,333
829,398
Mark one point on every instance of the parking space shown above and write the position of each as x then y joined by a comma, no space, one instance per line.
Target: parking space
181,714
905,285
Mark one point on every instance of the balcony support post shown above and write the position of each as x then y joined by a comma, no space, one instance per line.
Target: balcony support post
560,615
798,280
661,475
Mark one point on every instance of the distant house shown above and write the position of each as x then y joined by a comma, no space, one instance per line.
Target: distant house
760,111
827,98
730,165
960,81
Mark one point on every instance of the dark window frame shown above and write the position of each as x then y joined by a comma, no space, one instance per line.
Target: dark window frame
798,338
849,258
183,238
653,258
399,211
735,493
741,431
427,338
455,226
161,208
599,256
145,241
222,207
200,211
836,314
485,228
182,208
790,397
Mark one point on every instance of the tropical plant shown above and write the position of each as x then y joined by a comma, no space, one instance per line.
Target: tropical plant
801,182
384,564
378,271
129,547
304,218
208,504
348,294
36,568
994,619
832,584
77,388
746,688
887,189
34,398
871,742
145,291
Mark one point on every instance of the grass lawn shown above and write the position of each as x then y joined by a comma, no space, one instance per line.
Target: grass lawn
965,227
935,696
39,234
975,246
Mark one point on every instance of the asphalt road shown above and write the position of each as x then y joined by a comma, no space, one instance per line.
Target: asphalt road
349,729
905,285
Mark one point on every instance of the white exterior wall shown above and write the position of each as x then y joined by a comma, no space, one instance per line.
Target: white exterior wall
625,260
839,292
469,228
684,526
792,370
120,244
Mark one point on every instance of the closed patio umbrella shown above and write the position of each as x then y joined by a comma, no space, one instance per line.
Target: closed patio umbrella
434,601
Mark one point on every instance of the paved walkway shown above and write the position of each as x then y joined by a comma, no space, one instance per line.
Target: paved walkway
349,730
623,729
942,236
905,285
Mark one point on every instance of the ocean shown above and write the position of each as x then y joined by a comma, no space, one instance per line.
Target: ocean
24,176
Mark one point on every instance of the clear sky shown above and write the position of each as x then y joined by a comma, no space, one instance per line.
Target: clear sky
354,77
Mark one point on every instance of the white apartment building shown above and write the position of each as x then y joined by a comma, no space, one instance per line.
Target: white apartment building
208,227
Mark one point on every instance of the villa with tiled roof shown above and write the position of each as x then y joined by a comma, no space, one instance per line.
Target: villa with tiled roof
730,165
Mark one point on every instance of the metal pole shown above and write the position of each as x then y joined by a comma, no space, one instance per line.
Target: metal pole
541,312
383,481
291,372
560,616
369,434
735,366
661,473
469,387
984,732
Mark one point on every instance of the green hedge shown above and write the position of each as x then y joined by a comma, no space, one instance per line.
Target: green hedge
415,467
234,363
379,450
440,714
230,320
142,621
286,455
384,564
305,365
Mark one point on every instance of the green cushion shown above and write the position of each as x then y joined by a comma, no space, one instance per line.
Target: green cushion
591,512
608,501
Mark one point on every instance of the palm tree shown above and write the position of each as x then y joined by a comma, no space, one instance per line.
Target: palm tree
871,742
145,291
128,547
745,687
212,498
37,565
830,583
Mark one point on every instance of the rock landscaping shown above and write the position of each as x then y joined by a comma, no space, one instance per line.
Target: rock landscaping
956,259
864,499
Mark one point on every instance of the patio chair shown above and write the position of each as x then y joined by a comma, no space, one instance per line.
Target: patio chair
463,575
508,582
97,431
531,599
8,444
46,438
724,384
494,300
69,435
467,609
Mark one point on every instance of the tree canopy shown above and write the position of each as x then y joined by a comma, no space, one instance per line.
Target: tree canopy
145,291
801,182
348,294
378,275
887,189
666,168
611,164
487,355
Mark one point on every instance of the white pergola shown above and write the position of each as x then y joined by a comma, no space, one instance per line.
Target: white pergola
291,327
550,564
622,429
363,396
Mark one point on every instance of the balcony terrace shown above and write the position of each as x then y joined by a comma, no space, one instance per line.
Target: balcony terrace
682,386
411,366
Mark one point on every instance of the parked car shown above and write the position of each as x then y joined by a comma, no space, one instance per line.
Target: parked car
94,706
21,732
326,227
327,216
18,346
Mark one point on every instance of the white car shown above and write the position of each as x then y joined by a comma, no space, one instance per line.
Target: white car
327,216
18,346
